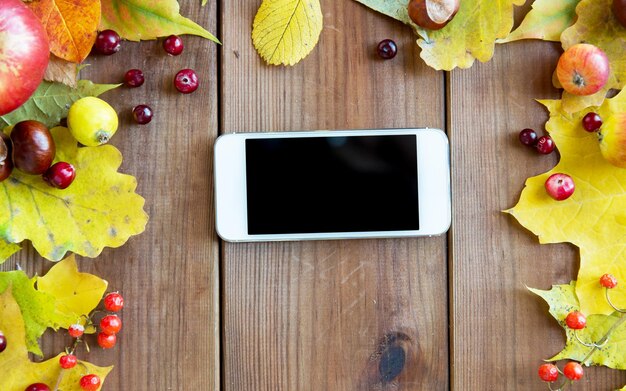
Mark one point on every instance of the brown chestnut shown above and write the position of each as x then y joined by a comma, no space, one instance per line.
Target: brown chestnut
33,147
6,163
433,14
619,10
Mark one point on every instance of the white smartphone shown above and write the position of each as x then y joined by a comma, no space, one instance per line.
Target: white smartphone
332,184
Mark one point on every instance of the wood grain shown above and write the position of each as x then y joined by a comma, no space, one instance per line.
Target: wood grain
169,274
323,315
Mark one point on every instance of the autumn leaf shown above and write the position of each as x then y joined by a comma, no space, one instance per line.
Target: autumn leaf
597,25
7,249
51,102
546,20
71,26
594,217
562,300
470,35
100,209
62,71
144,19
18,372
286,31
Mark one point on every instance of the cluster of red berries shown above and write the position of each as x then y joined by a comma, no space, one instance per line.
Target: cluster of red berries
186,80
544,144
575,320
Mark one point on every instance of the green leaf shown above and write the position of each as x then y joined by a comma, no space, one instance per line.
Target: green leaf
470,35
51,102
100,209
286,31
38,309
547,20
204,2
143,19
7,249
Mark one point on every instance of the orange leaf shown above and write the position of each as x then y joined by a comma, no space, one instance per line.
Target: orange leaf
71,26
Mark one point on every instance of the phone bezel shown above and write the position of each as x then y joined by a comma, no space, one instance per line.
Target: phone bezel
434,197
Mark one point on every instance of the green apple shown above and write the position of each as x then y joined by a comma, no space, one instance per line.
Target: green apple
612,137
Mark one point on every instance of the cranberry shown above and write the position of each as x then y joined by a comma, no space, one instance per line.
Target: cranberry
387,49
592,122
173,45
134,78
3,342
545,145
186,81
60,175
528,137
142,114
107,42
561,187
37,387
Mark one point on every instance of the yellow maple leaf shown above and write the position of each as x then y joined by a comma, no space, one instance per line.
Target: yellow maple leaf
594,217
286,31
546,20
18,372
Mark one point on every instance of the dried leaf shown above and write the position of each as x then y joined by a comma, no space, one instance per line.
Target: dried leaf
594,217
547,20
286,31
18,372
62,71
100,209
144,19
51,102
71,26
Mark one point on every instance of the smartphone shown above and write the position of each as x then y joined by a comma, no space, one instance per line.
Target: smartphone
332,185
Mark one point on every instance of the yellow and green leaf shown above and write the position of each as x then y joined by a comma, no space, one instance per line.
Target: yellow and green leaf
594,217
148,19
100,209
286,31
7,249
547,20
18,372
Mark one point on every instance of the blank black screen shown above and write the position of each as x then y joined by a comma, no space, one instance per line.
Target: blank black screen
332,184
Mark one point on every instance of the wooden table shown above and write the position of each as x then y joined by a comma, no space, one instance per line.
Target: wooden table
207,315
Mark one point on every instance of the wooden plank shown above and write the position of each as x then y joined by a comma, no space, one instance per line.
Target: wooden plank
320,315
501,332
169,274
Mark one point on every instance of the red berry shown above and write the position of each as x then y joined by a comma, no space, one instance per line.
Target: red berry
113,302
528,137
592,122
142,114
76,330
67,361
548,372
106,341
90,382
3,342
38,387
186,81
573,370
576,320
560,186
173,45
134,78
545,145
607,281
111,324
60,175
387,49
107,42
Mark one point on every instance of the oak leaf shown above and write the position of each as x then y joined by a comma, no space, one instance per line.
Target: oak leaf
547,20
286,31
71,26
470,35
100,209
148,19
18,372
594,217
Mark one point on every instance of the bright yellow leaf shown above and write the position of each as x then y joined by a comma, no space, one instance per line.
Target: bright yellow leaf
7,249
100,209
286,31
546,21
597,25
75,292
594,217
18,372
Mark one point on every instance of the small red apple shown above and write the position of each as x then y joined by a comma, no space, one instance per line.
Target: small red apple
583,69
612,138
24,54
560,186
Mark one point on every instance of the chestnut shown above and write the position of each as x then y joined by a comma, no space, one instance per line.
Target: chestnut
433,14
33,147
619,10
6,163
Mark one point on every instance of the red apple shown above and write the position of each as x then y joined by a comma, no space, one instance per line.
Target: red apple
24,54
612,137
583,69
